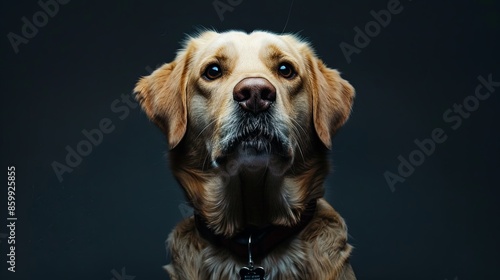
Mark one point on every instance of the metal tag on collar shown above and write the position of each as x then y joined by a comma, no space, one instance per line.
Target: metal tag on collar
251,272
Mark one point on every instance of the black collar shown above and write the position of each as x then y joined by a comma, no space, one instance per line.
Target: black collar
264,240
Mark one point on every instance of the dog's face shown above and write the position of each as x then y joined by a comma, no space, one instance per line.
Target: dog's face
250,97
234,102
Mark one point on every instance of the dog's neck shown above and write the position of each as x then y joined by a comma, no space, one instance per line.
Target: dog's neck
260,199
253,186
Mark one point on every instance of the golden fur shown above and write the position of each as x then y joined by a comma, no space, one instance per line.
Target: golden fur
200,119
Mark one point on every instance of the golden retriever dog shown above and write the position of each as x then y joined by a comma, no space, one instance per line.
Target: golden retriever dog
249,120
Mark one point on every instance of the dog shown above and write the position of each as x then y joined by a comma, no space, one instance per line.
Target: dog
249,119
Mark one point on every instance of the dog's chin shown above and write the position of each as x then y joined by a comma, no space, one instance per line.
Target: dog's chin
256,155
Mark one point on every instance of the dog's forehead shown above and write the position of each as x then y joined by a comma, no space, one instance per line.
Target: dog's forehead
252,40
257,43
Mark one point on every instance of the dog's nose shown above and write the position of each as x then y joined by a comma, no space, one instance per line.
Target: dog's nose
254,94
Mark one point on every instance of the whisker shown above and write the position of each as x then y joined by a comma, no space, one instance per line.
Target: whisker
205,160
300,126
208,125
299,139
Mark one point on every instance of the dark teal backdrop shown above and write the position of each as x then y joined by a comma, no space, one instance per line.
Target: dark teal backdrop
416,168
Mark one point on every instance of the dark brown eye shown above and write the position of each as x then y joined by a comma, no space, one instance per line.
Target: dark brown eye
286,70
212,72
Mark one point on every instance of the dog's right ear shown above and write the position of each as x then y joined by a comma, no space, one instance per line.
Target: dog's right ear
163,95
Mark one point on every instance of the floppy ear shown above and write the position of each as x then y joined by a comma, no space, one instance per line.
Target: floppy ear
162,96
332,99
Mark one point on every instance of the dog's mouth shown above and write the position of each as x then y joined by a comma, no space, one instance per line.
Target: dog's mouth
259,141
256,143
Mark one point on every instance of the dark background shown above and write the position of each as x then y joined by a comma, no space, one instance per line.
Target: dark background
116,208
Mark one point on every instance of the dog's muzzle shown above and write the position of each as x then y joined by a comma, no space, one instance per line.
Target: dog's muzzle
254,136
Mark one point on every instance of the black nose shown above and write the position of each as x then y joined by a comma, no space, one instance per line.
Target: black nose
254,94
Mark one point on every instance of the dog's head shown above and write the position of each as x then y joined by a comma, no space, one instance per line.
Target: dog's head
234,102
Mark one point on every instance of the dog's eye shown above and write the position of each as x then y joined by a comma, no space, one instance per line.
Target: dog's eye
213,72
286,70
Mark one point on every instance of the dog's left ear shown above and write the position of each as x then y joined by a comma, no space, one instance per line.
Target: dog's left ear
163,95
332,99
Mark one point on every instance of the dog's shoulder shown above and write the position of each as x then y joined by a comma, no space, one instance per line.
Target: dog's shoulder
185,246
327,226
326,236
185,236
